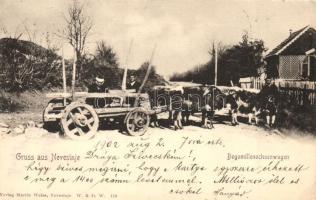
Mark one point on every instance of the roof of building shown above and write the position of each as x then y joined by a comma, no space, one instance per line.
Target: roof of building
288,41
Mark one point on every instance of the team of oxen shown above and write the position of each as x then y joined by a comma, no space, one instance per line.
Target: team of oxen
183,101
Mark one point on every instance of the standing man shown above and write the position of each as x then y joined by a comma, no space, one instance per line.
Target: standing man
268,96
269,89
133,84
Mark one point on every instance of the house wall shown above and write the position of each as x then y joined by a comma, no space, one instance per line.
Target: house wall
290,66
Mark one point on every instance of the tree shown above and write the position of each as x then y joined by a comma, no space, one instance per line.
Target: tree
143,70
153,78
241,60
78,27
106,55
104,63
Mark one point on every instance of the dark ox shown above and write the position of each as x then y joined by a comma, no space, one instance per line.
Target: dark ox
198,99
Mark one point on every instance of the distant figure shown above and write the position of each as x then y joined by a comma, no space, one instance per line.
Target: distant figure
232,101
98,86
133,84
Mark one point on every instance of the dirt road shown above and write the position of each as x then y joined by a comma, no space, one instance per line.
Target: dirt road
202,152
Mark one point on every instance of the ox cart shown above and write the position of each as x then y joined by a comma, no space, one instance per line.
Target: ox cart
79,113
80,119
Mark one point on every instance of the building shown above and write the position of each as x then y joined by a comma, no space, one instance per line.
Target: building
295,57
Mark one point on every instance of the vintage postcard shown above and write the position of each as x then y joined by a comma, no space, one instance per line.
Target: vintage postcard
157,99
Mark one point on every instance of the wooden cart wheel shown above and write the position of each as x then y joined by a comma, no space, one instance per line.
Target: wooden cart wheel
137,122
80,121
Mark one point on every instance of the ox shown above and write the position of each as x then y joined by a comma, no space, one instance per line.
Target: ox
204,99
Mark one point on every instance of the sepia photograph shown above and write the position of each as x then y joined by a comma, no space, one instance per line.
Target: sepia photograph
158,99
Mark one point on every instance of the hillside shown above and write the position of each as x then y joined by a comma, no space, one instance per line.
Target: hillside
25,65
22,46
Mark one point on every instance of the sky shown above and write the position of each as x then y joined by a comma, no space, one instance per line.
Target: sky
182,30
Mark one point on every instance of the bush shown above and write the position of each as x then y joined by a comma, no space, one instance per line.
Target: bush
25,65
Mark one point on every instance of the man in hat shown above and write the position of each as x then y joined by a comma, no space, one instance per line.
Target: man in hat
269,89
98,86
133,84
268,97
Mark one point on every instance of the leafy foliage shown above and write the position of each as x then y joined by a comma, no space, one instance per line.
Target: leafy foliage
25,65
105,55
8,104
104,63
153,78
240,60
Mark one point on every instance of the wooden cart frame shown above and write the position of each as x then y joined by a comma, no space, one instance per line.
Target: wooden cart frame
80,120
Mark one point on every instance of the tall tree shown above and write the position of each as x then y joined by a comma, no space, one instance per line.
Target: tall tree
77,29
143,70
106,55
103,63
240,60
78,26
153,78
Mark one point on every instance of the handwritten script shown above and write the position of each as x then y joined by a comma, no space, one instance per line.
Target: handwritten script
195,166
